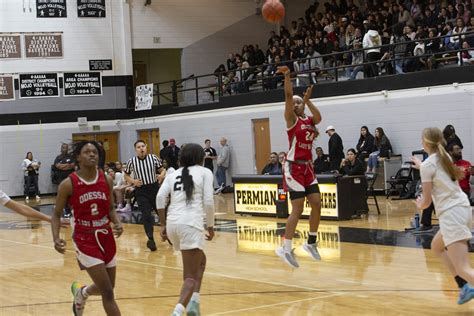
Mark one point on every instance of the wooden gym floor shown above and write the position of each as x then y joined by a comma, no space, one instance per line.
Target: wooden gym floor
370,266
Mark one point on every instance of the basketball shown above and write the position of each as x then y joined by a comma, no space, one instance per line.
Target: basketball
273,11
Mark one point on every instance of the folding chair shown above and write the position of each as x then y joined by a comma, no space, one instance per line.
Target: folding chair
371,178
399,182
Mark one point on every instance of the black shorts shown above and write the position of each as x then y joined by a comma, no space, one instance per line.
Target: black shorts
314,188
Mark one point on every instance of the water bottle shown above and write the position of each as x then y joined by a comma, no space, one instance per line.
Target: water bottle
417,220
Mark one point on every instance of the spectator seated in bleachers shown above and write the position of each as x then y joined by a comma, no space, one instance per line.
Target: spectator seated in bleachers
339,27
357,58
466,56
383,149
365,146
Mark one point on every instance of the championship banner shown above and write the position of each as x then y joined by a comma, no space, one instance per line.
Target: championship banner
7,88
10,46
43,45
255,197
42,85
328,201
51,9
100,64
82,84
144,97
91,8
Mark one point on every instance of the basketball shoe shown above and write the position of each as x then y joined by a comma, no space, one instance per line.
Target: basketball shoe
312,250
193,309
79,300
465,294
287,256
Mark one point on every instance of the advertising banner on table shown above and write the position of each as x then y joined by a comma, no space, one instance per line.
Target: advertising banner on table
255,197
91,8
43,45
40,85
51,9
144,97
328,201
7,88
10,46
82,84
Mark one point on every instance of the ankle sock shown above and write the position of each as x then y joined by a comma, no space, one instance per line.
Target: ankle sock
196,297
180,309
460,281
84,293
287,243
312,237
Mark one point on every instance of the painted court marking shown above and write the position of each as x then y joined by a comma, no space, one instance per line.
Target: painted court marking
277,304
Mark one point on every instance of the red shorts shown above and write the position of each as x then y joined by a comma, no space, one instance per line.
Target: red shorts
95,247
298,176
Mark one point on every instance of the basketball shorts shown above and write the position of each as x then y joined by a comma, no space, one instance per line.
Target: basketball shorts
185,237
455,224
299,179
95,247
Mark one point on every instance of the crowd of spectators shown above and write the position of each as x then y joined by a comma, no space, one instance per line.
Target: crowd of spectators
344,26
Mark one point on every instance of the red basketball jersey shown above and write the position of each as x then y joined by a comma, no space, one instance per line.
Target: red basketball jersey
301,136
90,202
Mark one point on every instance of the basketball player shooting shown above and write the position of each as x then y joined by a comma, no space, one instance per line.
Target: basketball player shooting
298,175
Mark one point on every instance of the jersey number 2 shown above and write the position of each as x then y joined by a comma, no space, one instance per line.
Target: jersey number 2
178,185
94,209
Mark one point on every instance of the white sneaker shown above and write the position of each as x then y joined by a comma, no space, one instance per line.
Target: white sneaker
312,250
79,301
38,198
288,257
219,189
27,199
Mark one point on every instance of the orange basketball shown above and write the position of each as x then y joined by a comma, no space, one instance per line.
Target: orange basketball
273,11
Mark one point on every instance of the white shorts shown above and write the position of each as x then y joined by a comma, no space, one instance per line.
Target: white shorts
185,237
455,224
86,261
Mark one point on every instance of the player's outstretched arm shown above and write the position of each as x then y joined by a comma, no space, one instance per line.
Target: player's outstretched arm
27,211
290,116
312,108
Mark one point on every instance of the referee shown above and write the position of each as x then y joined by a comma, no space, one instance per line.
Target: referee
144,168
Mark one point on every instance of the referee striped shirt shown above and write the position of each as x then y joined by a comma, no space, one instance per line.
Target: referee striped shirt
145,169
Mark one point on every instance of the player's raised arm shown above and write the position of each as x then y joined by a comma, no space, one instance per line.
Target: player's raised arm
313,109
290,116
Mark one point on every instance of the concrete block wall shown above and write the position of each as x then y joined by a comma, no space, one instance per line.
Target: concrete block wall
403,114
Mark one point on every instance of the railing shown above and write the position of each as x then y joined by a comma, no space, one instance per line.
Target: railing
214,85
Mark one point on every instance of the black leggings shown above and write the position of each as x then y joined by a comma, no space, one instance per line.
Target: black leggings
146,199
426,215
31,180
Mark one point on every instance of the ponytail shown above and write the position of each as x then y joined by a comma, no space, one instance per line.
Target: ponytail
190,155
446,162
433,138
188,184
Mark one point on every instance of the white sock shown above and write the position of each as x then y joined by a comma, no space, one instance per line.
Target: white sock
195,297
287,243
84,293
179,309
